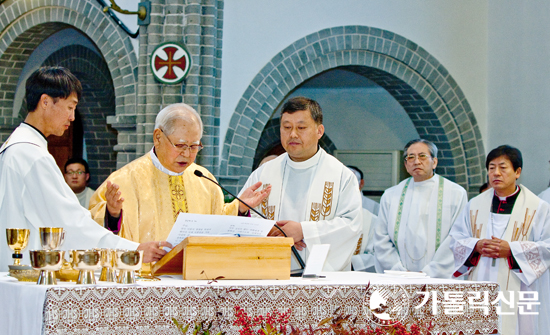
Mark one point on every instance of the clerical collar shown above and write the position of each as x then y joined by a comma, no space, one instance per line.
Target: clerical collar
307,163
424,182
159,165
504,205
33,127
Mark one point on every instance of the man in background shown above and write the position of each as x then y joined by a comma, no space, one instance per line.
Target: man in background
368,204
77,175
545,195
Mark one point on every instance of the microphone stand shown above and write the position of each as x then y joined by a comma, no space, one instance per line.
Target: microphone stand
294,251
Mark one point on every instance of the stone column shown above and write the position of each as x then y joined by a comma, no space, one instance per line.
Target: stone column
197,24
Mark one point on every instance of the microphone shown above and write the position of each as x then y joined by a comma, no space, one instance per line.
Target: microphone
294,251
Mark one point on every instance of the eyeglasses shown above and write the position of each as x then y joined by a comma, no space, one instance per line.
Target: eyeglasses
71,173
421,157
194,148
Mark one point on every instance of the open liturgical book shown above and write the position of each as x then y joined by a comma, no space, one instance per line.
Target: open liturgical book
217,225
205,247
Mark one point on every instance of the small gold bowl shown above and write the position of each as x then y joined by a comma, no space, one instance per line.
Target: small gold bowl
24,273
127,262
86,261
47,261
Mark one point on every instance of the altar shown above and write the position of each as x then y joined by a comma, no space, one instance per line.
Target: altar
149,307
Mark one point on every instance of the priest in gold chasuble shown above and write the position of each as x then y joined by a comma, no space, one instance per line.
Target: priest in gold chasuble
144,198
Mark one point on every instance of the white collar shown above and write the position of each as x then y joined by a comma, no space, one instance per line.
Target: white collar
25,134
425,182
307,163
159,165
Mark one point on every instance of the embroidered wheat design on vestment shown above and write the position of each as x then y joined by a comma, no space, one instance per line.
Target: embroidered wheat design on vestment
327,198
315,211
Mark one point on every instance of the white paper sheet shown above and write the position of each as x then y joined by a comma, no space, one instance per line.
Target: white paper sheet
217,225
316,259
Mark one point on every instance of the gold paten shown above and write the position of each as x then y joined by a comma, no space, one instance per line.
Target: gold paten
24,273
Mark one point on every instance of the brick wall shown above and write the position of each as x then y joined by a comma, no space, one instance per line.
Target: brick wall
97,102
197,25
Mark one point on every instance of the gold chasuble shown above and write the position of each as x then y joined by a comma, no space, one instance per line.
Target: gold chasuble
153,199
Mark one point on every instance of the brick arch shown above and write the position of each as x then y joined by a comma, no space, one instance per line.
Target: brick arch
271,137
24,25
438,107
97,102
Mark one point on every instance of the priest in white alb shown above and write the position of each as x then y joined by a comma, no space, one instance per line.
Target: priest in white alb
33,192
314,197
503,235
415,217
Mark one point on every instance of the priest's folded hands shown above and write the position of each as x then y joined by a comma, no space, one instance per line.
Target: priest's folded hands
493,248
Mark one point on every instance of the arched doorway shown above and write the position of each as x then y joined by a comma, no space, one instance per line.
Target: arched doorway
430,96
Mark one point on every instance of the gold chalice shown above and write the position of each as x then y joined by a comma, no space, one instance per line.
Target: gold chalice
47,261
51,238
108,274
17,241
127,262
87,261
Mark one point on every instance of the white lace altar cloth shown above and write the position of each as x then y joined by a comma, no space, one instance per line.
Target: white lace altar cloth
148,308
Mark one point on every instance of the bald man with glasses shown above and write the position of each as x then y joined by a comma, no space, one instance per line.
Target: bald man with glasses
143,199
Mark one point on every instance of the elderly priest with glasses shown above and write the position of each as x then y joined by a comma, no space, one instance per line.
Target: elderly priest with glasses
415,217
144,198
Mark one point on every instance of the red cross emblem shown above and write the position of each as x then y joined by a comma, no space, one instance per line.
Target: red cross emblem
170,63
